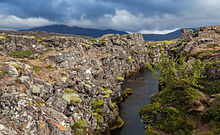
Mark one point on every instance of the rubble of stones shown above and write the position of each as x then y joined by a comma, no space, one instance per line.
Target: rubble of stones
63,84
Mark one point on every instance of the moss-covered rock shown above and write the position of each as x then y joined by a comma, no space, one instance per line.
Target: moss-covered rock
107,91
1,73
36,68
50,67
79,127
117,124
96,105
71,97
120,79
126,93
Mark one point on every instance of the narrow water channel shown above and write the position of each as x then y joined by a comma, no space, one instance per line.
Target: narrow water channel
143,85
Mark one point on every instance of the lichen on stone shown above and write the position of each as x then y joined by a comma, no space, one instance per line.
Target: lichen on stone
71,97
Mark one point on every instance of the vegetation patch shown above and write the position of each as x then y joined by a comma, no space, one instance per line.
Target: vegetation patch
37,68
212,115
21,54
2,38
96,105
1,73
205,54
79,127
103,41
93,40
68,91
165,43
169,110
212,45
50,67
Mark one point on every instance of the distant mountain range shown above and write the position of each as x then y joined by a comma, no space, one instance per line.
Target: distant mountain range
161,37
95,33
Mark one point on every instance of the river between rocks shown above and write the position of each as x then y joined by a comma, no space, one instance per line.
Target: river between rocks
143,85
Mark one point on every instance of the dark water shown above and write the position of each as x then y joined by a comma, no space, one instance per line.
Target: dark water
143,86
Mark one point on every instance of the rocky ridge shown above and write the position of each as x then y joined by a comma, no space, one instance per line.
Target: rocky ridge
58,84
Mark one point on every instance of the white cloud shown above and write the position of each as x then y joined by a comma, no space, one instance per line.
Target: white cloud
157,31
14,22
82,22
127,21
163,24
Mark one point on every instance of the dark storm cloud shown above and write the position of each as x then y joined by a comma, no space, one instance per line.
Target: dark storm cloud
59,9
56,9
130,15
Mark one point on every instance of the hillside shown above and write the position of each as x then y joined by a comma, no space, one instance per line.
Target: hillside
95,33
162,37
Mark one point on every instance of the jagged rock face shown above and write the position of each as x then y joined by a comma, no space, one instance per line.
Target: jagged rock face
203,44
50,83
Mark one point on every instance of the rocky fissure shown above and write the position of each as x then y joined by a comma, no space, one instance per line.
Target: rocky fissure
57,84
66,84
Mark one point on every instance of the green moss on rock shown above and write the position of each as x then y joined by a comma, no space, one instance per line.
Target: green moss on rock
71,97
79,127
126,93
1,73
50,67
107,91
36,68
21,54
100,119
68,91
120,79
96,104
117,124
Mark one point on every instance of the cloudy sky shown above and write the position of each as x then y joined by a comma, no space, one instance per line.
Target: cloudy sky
146,16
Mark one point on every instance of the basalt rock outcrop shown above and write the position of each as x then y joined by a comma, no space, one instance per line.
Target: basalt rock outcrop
58,84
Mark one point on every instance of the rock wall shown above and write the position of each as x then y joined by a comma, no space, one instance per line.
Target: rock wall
64,84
